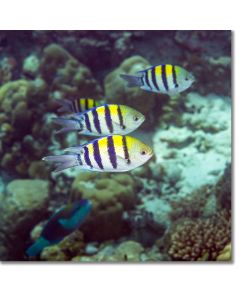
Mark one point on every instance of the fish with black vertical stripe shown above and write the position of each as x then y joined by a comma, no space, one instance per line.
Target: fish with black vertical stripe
164,79
102,120
113,153
77,105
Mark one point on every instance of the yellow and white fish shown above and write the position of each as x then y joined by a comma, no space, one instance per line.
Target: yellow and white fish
77,105
102,120
114,153
165,79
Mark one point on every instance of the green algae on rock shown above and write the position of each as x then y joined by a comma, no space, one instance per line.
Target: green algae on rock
23,205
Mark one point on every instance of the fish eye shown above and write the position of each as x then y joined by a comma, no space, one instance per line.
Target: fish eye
143,152
135,118
186,79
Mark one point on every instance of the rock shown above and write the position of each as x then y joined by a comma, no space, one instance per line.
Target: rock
226,253
38,170
31,65
199,143
91,249
110,194
65,74
21,105
71,246
224,189
129,251
24,205
53,253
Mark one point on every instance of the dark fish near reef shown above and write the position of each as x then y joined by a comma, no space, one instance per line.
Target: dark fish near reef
164,79
102,120
61,224
76,106
114,153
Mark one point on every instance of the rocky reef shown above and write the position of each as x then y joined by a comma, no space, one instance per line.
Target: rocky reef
175,208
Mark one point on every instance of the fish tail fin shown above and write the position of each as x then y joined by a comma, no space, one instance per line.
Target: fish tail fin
63,162
132,80
37,247
66,106
68,125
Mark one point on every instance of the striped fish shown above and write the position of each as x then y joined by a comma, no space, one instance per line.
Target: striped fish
164,79
114,153
76,106
102,120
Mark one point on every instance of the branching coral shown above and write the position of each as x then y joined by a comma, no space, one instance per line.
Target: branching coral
201,239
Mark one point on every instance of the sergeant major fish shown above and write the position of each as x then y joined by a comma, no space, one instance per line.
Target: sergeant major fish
114,153
62,223
77,105
102,120
165,79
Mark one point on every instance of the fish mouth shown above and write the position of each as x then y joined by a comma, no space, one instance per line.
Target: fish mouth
193,78
151,153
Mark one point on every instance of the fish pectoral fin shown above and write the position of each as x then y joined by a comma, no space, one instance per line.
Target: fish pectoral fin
76,149
118,124
68,224
125,161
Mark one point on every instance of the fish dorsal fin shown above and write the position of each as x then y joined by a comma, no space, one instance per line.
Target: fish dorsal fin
143,71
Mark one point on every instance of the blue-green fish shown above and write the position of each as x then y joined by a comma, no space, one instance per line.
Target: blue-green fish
165,79
102,120
62,223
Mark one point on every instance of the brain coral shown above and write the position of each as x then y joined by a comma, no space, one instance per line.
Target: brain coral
201,239
66,74
111,194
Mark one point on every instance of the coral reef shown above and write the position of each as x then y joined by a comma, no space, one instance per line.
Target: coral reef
203,134
24,102
23,205
200,239
71,246
21,143
65,74
111,195
128,251
200,203
176,207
